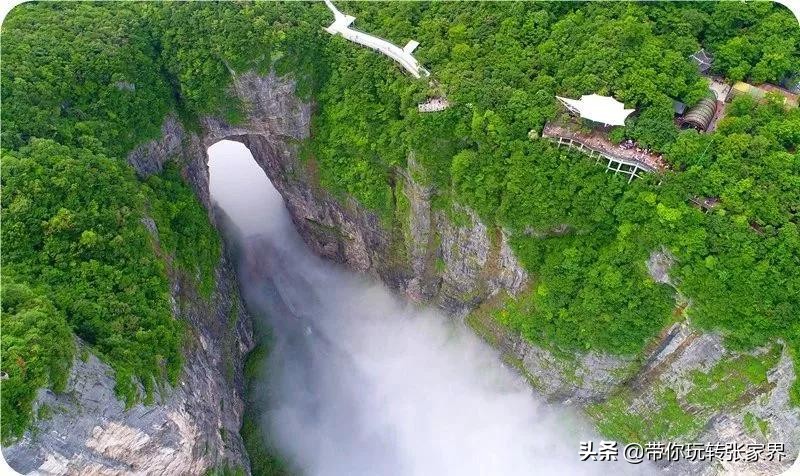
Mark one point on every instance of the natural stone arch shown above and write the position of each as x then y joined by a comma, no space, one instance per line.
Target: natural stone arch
277,121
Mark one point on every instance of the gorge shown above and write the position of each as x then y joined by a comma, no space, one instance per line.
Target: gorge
361,383
623,307
475,268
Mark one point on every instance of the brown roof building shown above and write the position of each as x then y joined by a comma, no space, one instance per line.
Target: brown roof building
701,115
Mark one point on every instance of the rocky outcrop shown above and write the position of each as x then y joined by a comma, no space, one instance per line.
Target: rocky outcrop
189,429
454,263
149,158
477,263
446,257
658,265
276,122
451,258
759,413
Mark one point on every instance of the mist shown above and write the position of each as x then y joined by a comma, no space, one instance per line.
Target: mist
360,382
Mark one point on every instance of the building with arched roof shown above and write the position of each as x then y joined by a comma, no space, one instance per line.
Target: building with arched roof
701,115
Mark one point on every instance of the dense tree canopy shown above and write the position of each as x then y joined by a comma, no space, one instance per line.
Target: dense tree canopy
72,225
83,83
78,74
38,344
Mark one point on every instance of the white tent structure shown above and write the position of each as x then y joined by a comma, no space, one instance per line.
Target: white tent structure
594,107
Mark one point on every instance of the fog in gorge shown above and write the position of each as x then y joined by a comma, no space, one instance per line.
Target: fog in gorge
360,382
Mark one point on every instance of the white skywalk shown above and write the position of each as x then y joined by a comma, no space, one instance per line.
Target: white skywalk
341,25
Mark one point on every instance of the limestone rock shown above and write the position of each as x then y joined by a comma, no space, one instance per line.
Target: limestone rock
188,430
455,264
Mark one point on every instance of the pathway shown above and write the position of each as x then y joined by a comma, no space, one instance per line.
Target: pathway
619,160
403,56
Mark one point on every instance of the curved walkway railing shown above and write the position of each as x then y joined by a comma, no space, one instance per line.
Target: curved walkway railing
645,159
341,25
626,161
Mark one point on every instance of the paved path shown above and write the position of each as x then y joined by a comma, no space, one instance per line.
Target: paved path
341,25
648,161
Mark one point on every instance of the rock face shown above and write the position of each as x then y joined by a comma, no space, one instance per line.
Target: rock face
455,261
189,429
761,415
450,259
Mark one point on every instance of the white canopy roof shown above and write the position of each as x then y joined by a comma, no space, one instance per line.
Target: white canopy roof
604,109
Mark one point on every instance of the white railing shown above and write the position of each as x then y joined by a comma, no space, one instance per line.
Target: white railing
615,164
341,25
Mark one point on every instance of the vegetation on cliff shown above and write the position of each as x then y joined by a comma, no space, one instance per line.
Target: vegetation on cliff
83,83
500,65
659,414
80,88
72,227
184,231
39,343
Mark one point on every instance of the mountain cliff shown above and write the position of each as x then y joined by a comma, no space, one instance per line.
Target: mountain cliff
660,320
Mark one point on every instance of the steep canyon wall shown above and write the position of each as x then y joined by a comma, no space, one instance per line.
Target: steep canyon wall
467,269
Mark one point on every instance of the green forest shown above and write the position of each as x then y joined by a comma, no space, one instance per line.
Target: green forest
84,83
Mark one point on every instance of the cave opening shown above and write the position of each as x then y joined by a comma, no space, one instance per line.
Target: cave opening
237,185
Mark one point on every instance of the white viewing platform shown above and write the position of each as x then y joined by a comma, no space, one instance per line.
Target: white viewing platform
403,56
619,160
